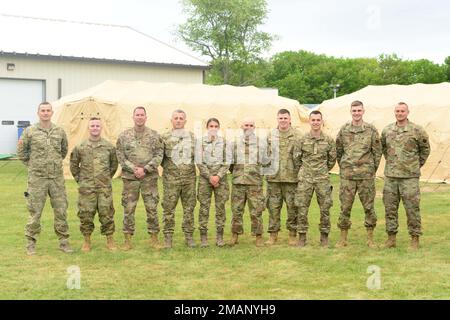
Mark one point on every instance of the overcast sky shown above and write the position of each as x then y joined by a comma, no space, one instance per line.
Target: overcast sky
413,29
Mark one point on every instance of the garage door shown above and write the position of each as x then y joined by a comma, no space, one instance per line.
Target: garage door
18,104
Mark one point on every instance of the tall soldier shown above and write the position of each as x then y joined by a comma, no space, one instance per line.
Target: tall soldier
213,170
179,178
140,152
93,163
42,148
316,155
249,157
358,149
282,185
406,148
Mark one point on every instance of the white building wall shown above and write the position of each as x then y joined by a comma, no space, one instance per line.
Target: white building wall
79,75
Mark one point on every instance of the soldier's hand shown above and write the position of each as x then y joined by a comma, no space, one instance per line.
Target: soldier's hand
214,180
139,173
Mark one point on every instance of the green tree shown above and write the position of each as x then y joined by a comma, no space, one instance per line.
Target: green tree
447,66
307,77
425,71
391,69
227,32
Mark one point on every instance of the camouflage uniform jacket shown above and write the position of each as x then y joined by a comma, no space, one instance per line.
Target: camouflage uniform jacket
93,164
145,150
43,151
315,156
281,146
213,160
179,155
249,159
358,150
405,149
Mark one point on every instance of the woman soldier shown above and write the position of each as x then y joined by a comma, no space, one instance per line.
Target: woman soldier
213,169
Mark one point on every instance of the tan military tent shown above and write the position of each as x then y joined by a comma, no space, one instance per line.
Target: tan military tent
114,101
429,107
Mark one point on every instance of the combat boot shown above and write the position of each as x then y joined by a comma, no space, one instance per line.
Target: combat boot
302,240
154,243
86,247
259,241
292,238
219,238
204,239
273,238
414,245
370,242
31,247
127,244
168,240
64,246
324,240
343,241
391,241
189,240
110,244
234,239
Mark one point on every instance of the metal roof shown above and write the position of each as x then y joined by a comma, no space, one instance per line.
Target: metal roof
80,40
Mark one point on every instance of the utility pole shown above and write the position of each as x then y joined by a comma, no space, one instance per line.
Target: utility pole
335,88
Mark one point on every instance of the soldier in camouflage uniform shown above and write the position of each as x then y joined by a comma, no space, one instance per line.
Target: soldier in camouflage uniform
249,157
406,148
179,178
140,151
316,155
282,185
213,170
358,149
42,148
93,163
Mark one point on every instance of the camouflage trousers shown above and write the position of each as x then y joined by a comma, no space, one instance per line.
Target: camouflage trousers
240,195
92,201
148,188
304,195
204,195
172,193
277,192
406,189
37,191
366,191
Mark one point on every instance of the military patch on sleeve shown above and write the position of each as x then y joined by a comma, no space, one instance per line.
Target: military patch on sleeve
20,142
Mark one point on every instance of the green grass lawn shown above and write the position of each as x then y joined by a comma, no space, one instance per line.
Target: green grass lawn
242,272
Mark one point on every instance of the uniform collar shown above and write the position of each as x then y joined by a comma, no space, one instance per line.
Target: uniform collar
38,126
96,143
251,138
180,133
310,136
402,129
356,129
142,132
207,140
288,133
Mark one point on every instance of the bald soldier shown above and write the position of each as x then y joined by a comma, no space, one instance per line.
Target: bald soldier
42,148
179,178
93,163
406,148
358,149
249,157
281,186
140,151
316,156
